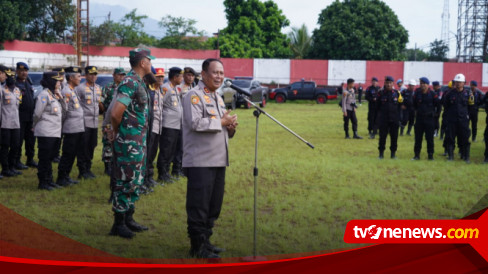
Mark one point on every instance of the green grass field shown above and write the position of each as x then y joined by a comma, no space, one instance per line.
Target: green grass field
306,197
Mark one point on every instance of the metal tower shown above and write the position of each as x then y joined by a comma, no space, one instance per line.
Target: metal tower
472,30
82,31
445,23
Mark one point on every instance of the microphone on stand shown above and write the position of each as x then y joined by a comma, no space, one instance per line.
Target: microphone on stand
229,84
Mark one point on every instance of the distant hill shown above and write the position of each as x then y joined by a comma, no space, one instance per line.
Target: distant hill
99,13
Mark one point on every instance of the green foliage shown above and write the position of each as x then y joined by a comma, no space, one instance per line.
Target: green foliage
181,33
305,197
300,41
50,20
415,55
103,34
254,30
130,31
11,28
359,30
438,51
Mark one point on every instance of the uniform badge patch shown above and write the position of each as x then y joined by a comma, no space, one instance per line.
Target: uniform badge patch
207,99
43,100
195,99
206,90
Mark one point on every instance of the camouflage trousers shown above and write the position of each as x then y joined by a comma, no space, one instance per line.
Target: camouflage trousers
106,149
129,172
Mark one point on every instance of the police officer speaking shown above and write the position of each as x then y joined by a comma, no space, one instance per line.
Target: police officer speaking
206,129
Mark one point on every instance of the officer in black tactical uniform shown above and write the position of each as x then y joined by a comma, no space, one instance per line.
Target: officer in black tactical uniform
473,108
425,104
371,95
389,101
485,101
407,114
457,118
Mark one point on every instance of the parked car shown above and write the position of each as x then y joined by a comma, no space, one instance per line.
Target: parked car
233,99
102,79
304,90
35,81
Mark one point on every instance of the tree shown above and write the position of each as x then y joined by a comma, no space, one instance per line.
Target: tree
415,55
438,51
130,31
359,30
50,19
11,28
181,33
254,30
103,34
300,41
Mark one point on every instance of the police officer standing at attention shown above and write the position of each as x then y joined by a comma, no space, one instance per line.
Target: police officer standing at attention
207,126
425,103
360,94
130,117
107,96
457,118
47,126
408,114
473,107
438,92
371,95
73,128
172,114
157,126
349,109
389,101
26,110
89,94
12,98
485,101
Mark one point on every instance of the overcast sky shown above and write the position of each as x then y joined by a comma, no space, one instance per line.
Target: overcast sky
421,18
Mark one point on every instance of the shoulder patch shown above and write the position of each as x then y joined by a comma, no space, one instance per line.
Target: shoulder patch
195,99
43,100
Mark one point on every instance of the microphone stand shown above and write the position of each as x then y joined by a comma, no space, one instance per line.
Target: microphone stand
257,113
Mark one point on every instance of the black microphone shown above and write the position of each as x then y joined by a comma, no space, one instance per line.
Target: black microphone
229,84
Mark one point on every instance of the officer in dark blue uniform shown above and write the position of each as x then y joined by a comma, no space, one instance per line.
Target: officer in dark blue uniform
473,107
389,101
407,114
437,90
26,112
371,95
457,118
485,101
425,103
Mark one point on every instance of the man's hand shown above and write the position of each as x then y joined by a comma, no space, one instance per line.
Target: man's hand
227,119
110,134
345,113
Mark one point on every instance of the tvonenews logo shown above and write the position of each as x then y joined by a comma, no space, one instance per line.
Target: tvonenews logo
473,232
375,232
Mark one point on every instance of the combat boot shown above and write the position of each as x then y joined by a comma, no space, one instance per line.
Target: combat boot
56,159
212,248
20,166
131,223
466,154
416,157
381,155
431,157
392,155
31,163
450,154
63,181
486,160
108,168
7,173
119,227
166,178
356,136
15,171
198,248
347,135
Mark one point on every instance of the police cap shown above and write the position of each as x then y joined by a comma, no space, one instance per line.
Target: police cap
22,65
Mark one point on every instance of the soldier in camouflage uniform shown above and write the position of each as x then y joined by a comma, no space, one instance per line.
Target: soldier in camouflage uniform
107,95
129,116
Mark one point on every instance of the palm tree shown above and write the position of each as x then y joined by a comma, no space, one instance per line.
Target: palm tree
300,42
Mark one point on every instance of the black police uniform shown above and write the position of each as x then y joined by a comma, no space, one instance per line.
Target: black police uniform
360,94
388,104
371,97
425,106
473,109
485,101
438,111
407,114
457,120
26,112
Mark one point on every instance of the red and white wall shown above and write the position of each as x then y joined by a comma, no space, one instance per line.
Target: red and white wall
41,56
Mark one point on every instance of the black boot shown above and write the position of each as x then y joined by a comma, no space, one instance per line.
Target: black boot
381,155
56,159
416,157
409,129
44,185
445,152
63,181
347,135
356,136
450,154
119,227
108,168
131,223
431,157
392,155
466,154
166,178
212,248
15,171
18,165
198,248
31,163
401,130
6,172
